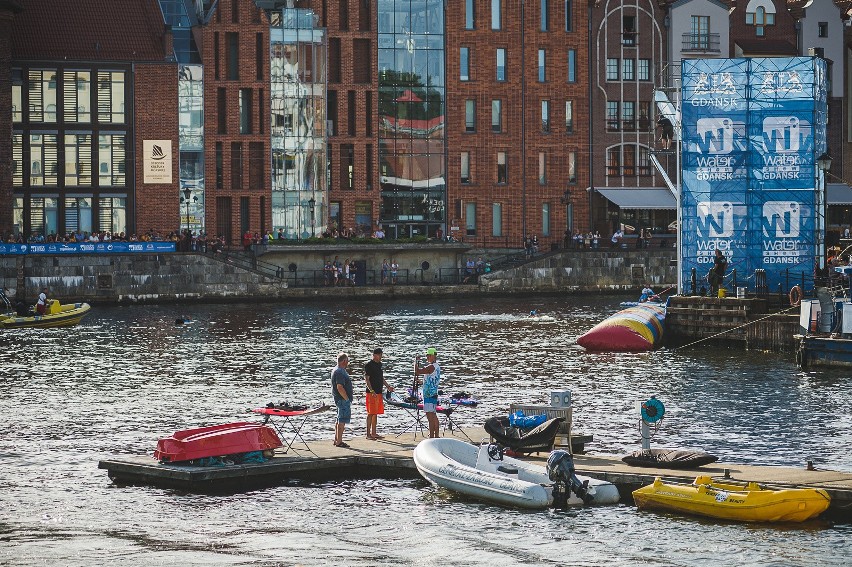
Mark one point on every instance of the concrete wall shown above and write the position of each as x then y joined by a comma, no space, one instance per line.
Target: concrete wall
181,277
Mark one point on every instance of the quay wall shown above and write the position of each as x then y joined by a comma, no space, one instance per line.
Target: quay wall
182,277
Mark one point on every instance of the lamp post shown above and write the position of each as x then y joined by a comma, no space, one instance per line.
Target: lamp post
187,193
311,204
823,164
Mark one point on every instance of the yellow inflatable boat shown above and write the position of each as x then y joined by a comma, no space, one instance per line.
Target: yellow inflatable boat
742,502
57,315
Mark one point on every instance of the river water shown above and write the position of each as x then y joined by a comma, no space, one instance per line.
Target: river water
128,376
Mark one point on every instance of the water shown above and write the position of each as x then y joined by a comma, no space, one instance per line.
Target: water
129,376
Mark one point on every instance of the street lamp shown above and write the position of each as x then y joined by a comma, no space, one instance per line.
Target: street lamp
187,193
311,204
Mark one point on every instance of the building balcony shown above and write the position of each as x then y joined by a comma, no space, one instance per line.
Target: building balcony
700,43
629,38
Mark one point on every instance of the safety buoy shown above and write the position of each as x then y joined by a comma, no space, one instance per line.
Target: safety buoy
795,295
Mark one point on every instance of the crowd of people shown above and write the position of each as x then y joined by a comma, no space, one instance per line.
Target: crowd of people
343,392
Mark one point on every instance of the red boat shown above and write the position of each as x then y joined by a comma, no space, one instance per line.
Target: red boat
216,441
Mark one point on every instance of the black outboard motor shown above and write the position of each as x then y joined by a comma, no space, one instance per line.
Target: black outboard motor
560,469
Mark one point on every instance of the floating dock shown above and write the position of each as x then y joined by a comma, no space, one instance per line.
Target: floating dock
392,458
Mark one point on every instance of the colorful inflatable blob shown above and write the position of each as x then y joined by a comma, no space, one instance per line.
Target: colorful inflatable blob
633,329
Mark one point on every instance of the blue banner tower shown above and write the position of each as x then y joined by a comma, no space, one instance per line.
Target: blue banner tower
752,130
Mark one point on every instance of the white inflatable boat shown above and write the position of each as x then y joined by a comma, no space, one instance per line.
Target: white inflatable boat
487,475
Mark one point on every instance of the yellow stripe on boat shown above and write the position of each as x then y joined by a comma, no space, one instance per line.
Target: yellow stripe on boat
742,502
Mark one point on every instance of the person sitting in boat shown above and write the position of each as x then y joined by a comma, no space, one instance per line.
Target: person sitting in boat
41,304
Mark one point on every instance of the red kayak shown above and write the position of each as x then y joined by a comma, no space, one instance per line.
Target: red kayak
216,441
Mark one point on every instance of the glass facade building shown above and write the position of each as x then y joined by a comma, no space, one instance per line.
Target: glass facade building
411,117
298,56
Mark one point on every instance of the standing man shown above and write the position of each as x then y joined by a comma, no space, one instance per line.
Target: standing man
666,131
41,304
432,370
717,273
375,377
341,389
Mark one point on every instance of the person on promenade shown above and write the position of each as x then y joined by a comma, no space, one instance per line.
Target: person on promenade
432,371
41,304
385,271
394,268
341,390
717,273
375,378
666,131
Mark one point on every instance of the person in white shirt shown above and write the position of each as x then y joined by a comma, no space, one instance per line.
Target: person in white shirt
41,304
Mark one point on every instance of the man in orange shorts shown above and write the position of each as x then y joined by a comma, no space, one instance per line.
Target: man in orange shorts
375,377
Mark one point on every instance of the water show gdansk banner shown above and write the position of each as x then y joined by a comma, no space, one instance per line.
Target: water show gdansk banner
752,130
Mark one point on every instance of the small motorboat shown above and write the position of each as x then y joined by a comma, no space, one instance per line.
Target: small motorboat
216,441
56,315
634,329
746,502
486,474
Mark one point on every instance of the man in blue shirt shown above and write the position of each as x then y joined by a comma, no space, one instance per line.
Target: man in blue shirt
432,370
341,390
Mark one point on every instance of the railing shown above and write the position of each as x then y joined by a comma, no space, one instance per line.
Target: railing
629,38
701,42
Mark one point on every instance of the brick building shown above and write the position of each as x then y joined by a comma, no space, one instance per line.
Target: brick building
89,97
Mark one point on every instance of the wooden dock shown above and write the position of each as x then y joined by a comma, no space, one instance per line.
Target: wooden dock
392,458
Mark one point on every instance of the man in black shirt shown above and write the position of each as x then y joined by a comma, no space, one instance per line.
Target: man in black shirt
666,131
375,378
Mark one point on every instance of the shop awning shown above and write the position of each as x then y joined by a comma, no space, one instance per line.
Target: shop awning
838,194
644,198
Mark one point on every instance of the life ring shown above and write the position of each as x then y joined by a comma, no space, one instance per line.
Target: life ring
795,295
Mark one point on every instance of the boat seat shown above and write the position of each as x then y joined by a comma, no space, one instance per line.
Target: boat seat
507,470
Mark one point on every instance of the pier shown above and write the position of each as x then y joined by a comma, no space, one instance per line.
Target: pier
392,458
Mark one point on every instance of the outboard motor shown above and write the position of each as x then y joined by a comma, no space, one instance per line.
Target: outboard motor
560,469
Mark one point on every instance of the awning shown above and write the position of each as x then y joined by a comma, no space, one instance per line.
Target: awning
838,194
646,198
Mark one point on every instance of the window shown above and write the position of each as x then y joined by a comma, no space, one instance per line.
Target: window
77,96
569,115
545,116
629,159
42,91
78,159
111,97
17,159
257,158
496,115
644,70
501,64
572,66
220,164
613,162
232,56
464,64
764,15
628,30
542,168
236,166
17,95
612,115
496,14
44,156
470,218
352,109
496,219
465,167
368,113
572,167
628,70
699,38
78,214
221,111
545,14
216,65
822,29
470,115
569,15
259,48
469,14
542,68
502,173
545,219
628,115
112,214
645,123
111,157
643,161
246,99
611,69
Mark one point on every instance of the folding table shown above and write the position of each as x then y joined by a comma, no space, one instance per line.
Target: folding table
291,420
415,410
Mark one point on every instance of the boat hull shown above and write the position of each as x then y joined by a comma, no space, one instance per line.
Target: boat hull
748,503
59,316
824,351
466,469
216,441
634,329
